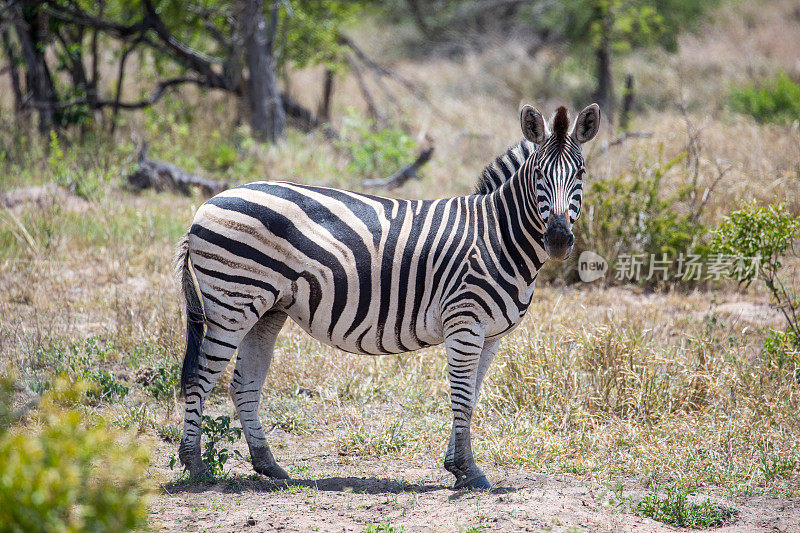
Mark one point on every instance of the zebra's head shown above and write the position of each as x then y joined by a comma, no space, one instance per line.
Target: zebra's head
557,170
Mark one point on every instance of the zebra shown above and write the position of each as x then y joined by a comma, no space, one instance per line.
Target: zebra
374,275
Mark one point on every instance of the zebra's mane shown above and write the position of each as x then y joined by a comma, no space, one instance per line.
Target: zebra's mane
504,167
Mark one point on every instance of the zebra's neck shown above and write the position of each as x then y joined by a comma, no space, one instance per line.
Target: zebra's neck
504,167
519,226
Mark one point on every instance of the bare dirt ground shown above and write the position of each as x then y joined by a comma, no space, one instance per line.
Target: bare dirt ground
329,492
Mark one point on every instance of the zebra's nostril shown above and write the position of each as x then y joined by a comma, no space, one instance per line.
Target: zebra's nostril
571,240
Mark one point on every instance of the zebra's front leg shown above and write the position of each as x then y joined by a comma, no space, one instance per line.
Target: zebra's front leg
252,364
464,345
486,357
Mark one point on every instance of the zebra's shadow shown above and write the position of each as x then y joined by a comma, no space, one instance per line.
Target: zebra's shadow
356,485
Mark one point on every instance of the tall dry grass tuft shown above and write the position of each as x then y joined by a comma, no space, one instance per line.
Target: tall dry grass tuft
603,371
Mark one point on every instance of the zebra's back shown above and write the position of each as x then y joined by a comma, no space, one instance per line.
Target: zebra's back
363,273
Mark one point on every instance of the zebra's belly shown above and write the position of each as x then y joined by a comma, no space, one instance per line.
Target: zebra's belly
367,344
374,335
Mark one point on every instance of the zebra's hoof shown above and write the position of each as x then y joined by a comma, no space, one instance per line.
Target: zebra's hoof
473,484
200,472
271,470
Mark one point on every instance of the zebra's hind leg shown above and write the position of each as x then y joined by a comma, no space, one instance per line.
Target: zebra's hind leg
216,352
252,364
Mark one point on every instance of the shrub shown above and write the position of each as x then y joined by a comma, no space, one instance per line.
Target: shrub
215,432
781,352
68,171
777,100
767,233
374,152
647,225
61,473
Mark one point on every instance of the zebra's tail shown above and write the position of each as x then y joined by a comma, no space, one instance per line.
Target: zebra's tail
195,318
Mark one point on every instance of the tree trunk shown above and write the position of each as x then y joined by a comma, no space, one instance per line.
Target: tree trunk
38,80
13,72
604,95
419,19
267,116
324,111
627,103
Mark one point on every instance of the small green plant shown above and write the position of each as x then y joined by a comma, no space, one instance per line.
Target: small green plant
63,472
384,527
776,100
296,489
781,352
169,433
674,507
221,155
67,171
374,152
164,382
774,466
216,432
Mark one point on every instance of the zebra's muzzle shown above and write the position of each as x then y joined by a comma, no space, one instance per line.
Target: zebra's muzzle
558,238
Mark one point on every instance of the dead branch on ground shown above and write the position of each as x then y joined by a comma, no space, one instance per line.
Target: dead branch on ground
624,137
403,175
163,176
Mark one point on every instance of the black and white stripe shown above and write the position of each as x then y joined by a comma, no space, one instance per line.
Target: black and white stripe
369,275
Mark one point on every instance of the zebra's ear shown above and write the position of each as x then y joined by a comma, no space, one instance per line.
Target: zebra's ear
587,124
533,126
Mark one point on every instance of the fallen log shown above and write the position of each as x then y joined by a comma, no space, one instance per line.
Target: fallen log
162,176
403,175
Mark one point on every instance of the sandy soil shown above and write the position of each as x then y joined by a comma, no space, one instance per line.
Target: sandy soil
335,493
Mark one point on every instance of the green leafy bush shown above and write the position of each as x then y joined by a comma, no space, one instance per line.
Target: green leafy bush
374,152
768,233
777,100
781,352
80,361
646,223
675,508
164,382
60,472
68,171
